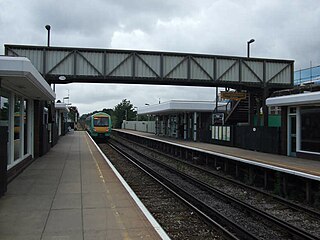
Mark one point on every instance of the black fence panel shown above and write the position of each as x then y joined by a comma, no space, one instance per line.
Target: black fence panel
262,139
204,135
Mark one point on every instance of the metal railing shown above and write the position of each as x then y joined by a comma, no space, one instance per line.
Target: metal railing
307,75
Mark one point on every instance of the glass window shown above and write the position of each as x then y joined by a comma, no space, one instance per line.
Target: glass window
292,110
17,127
4,127
101,122
310,131
4,111
25,122
293,127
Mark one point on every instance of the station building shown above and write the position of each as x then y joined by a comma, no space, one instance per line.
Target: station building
189,120
62,111
227,123
300,108
26,116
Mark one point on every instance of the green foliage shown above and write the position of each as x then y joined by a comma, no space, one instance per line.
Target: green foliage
123,111
143,118
107,111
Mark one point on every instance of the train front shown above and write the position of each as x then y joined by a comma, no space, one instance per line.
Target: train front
101,126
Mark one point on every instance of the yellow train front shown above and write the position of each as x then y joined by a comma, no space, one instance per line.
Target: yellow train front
99,126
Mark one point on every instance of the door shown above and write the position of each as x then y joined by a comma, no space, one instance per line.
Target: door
292,136
4,133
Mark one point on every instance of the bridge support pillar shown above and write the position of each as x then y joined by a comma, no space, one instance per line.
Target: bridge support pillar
176,126
185,126
251,103
265,107
195,126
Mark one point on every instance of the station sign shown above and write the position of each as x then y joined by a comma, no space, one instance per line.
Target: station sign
233,95
218,118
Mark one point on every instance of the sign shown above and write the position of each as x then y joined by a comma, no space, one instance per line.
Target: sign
218,118
233,95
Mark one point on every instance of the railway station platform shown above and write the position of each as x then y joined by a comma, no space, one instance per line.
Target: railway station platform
296,166
73,193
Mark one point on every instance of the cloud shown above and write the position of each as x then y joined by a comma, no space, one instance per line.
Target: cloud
99,96
285,29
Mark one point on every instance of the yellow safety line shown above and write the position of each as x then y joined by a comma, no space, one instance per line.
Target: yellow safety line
113,206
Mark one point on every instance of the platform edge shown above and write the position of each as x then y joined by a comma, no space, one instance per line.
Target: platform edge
145,211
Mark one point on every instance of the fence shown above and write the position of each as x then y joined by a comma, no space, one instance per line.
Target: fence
307,75
141,126
262,139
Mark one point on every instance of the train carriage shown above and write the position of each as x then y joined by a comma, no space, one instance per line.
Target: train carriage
99,125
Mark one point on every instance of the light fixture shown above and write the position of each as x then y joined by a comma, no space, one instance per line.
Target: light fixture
48,27
248,46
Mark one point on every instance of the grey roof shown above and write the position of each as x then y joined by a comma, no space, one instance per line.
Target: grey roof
295,99
175,106
20,76
62,107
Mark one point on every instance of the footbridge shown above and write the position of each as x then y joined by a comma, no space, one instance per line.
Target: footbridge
62,65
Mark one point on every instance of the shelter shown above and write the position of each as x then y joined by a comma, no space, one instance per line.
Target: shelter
300,112
190,120
24,116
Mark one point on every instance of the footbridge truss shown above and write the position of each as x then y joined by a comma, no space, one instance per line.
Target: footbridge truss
61,65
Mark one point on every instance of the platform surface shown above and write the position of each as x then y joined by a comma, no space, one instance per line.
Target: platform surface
71,193
292,163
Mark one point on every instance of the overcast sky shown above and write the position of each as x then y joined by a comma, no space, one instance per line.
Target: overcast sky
285,29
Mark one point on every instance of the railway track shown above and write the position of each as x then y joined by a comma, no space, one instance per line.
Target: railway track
285,230
298,215
180,218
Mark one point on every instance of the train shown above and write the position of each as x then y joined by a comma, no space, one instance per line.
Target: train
99,125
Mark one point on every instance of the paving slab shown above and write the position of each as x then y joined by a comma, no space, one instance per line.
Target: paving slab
71,193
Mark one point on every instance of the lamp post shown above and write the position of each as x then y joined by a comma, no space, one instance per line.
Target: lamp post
147,104
137,113
248,46
48,27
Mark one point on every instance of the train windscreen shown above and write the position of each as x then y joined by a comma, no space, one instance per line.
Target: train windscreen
101,122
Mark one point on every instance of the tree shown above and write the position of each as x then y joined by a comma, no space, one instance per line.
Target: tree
108,111
123,111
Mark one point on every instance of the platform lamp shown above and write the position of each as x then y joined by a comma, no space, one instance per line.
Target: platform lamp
248,46
147,104
137,113
48,27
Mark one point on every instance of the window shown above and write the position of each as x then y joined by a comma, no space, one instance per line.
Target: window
101,122
17,127
4,127
310,131
25,123
292,110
